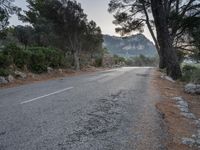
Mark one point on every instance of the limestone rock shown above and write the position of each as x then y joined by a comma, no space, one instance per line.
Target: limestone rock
3,80
10,78
188,141
192,88
21,75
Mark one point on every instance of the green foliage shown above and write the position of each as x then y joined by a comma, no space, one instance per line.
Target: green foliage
142,61
20,57
191,73
195,77
5,60
4,72
38,62
181,56
6,8
118,59
36,59
98,62
60,24
23,34
45,57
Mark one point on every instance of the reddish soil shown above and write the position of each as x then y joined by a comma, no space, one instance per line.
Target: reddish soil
178,127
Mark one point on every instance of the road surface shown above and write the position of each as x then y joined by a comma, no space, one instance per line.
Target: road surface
107,110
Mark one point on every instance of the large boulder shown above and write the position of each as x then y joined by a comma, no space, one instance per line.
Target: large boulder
3,80
192,88
20,75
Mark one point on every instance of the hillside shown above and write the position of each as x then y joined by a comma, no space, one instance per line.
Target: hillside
129,46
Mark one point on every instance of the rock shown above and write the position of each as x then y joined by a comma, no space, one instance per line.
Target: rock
49,69
182,103
197,122
183,109
10,78
178,98
188,115
31,75
169,79
198,133
21,75
3,80
188,141
193,136
198,142
192,88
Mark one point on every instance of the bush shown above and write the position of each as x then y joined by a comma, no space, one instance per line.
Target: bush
53,58
36,59
187,71
118,59
195,77
5,60
38,62
21,58
4,72
98,62
142,61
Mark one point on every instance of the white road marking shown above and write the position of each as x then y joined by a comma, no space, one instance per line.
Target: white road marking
37,98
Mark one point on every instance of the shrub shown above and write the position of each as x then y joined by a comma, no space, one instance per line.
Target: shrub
98,62
118,59
187,71
53,58
195,77
38,62
36,59
5,60
4,72
21,57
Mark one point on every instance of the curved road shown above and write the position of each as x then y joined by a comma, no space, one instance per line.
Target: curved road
107,110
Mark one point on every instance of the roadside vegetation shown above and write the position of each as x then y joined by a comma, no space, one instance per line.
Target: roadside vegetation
57,34
191,73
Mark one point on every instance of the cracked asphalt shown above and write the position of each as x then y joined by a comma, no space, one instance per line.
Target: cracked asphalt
107,110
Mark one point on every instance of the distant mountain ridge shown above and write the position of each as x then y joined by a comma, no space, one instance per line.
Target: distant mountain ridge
130,46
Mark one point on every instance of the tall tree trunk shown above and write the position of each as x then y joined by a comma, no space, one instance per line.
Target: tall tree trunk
167,50
76,60
162,62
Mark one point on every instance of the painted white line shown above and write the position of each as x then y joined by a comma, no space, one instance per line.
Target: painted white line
37,98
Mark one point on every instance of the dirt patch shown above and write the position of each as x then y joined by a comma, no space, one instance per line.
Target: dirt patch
55,74
178,126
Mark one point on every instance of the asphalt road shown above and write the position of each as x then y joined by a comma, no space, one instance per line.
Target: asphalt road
107,110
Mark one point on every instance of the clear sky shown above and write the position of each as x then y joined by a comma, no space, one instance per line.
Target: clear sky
95,9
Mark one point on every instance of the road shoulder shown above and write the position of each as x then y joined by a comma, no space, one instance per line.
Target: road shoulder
178,126
55,74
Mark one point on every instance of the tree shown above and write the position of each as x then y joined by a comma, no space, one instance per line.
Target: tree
23,34
6,9
133,15
65,18
164,39
93,39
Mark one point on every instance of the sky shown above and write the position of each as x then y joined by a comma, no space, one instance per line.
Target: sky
95,9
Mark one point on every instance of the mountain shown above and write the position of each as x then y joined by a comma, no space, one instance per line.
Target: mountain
130,46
